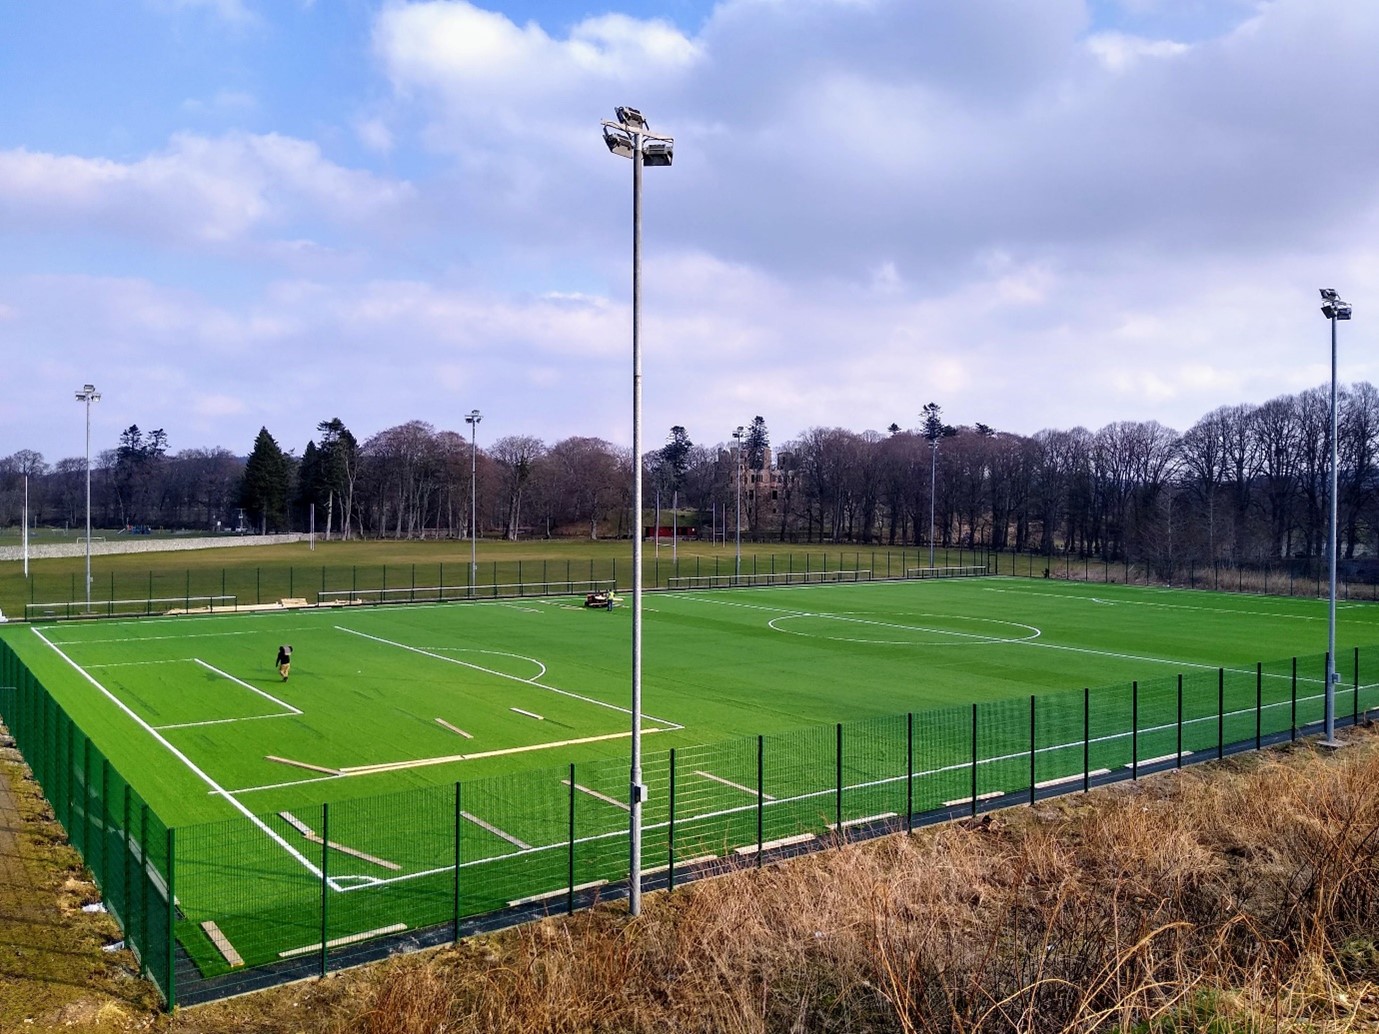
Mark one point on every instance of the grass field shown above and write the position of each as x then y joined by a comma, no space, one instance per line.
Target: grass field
388,708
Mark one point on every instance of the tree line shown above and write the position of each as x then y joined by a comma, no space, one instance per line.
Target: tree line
1245,484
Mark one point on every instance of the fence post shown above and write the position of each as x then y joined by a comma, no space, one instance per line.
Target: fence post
1220,713
1293,722
1135,729
909,772
761,795
570,896
1031,748
128,848
1086,738
1355,673
145,881
1179,762
838,796
325,886
670,832
172,920
974,761
458,816
85,824
105,823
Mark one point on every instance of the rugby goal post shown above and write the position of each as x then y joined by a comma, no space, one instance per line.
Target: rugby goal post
456,593
734,581
969,571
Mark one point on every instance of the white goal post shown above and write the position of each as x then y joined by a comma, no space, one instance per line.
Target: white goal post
730,581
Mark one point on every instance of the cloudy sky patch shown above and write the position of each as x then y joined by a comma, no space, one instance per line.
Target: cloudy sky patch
230,214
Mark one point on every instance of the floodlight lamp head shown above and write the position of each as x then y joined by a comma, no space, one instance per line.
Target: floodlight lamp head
630,117
618,142
474,417
658,152
1332,306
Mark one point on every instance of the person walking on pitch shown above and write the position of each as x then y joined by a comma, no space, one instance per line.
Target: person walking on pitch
284,661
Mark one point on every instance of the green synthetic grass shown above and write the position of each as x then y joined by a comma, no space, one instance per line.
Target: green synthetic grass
203,708
370,682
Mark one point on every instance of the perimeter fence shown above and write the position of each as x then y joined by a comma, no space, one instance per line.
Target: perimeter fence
157,591
125,845
284,894
120,593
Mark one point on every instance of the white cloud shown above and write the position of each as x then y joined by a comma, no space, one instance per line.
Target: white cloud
1118,51
200,189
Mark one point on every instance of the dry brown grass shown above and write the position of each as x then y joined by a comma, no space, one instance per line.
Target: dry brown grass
1236,897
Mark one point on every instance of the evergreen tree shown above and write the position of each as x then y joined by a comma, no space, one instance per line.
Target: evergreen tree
267,482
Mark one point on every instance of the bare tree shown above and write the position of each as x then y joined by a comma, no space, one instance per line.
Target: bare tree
514,456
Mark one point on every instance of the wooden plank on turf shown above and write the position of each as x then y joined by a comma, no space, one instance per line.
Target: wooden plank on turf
353,938
297,824
454,728
496,831
301,764
222,943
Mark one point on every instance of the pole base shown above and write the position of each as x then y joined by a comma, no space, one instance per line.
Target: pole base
1331,744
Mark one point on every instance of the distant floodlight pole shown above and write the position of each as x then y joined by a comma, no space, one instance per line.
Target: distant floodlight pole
88,394
737,523
1333,309
933,485
473,421
26,525
629,137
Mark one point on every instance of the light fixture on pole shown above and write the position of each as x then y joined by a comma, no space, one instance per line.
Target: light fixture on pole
1333,309
933,430
88,395
737,523
629,137
473,421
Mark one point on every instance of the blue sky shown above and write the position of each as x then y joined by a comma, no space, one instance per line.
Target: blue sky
229,214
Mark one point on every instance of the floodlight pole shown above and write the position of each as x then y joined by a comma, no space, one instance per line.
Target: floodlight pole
933,485
473,421
88,395
1333,309
628,137
737,523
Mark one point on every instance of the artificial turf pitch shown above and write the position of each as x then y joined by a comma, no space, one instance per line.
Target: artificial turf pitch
387,709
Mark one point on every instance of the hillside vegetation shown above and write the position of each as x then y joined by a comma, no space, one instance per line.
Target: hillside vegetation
1235,897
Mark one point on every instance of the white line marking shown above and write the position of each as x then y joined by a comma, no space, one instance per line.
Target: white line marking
735,786
251,689
224,721
504,675
305,862
529,714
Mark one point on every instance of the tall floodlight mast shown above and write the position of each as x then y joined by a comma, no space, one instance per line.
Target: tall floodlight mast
88,395
1334,310
629,137
473,421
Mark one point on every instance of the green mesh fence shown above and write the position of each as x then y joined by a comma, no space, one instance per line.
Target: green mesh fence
127,850
158,590
215,909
